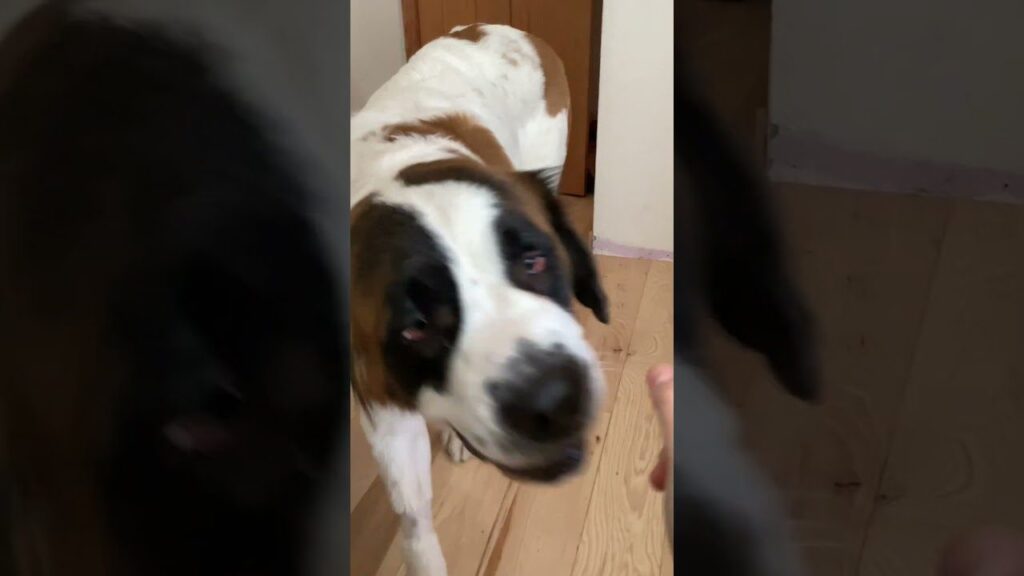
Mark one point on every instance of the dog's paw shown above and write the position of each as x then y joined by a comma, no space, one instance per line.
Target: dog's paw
453,445
423,556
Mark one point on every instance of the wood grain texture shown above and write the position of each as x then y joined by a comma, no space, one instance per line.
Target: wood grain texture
362,466
519,11
956,457
892,323
467,499
494,11
374,526
431,19
624,532
865,261
667,562
373,522
921,309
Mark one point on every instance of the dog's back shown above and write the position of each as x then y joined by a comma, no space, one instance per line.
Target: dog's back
502,80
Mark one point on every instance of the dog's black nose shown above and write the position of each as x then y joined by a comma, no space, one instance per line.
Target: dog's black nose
545,399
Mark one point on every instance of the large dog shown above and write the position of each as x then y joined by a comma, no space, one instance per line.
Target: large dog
171,317
464,269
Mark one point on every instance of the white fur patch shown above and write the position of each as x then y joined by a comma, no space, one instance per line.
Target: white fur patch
401,445
498,81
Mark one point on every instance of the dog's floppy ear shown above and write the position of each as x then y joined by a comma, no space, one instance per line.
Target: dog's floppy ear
585,282
745,277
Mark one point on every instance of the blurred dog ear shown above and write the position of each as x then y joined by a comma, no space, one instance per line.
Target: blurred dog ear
744,277
585,281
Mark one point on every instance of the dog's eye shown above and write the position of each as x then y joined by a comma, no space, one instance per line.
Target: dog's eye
416,331
534,262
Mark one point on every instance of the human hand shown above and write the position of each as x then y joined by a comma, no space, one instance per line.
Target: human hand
660,382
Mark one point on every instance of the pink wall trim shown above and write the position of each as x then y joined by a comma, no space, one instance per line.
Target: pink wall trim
804,159
609,248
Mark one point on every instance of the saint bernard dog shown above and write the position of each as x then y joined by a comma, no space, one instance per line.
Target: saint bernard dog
464,269
173,366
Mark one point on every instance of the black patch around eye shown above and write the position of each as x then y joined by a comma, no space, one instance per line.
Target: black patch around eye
425,317
421,293
521,244
425,301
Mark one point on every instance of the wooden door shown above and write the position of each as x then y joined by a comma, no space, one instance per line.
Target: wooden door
572,29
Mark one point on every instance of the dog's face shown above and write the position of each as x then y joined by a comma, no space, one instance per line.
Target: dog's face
461,308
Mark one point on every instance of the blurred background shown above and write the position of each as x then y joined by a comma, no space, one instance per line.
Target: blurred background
894,140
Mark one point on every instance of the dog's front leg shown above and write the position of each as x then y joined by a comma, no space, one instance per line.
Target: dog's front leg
401,446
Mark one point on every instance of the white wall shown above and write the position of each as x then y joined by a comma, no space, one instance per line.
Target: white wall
378,46
633,196
925,80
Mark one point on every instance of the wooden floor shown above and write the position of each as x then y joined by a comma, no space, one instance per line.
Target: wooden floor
607,521
921,309
921,306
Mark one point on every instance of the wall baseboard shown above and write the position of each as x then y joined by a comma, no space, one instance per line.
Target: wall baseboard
609,248
803,159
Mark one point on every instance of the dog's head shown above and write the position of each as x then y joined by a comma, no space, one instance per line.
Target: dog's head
463,280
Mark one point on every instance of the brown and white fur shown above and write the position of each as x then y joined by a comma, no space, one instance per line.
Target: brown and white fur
463,271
